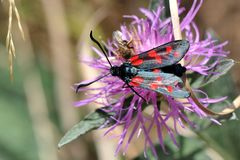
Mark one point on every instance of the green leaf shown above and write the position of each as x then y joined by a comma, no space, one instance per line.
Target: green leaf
189,148
224,139
223,86
93,121
222,68
90,122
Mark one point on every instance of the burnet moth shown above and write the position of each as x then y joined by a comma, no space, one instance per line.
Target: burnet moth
156,69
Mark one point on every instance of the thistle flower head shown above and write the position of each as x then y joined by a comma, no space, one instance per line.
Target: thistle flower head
141,35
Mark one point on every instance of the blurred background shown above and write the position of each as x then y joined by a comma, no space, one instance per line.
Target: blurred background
36,108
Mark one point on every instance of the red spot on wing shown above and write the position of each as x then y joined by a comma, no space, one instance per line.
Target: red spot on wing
176,54
154,86
137,79
159,59
134,84
137,62
170,89
133,58
168,49
159,78
156,70
152,53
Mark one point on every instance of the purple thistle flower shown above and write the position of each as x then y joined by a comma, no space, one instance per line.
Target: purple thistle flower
147,33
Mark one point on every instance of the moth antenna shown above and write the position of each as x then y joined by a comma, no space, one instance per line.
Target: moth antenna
99,45
87,84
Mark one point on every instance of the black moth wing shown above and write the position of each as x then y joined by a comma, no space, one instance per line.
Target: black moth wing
161,56
164,83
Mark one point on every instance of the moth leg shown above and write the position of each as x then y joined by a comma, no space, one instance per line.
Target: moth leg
125,85
130,44
135,92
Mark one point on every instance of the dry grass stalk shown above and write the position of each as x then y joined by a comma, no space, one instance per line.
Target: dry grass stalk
9,39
